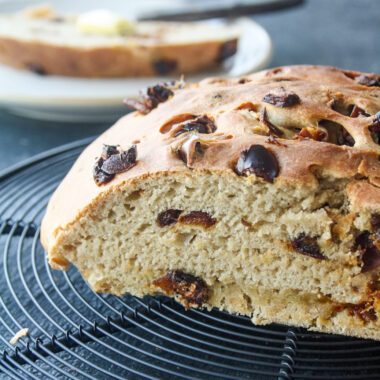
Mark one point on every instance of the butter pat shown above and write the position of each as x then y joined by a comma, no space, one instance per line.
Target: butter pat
102,21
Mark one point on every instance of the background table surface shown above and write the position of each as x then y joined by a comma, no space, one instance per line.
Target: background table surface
343,33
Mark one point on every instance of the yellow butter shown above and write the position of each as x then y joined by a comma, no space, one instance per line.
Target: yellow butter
102,21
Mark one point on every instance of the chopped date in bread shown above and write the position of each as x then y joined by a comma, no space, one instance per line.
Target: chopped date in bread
36,68
259,161
197,218
165,66
357,111
369,252
310,133
227,49
112,161
201,124
364,311
191,289
190,149
150,98
272,140
245,223
369,80
272,128
374,128
282,99
168,217
308,246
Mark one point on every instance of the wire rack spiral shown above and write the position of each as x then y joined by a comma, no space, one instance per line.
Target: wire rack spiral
75,333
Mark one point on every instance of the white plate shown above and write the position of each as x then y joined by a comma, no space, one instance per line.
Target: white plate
81,99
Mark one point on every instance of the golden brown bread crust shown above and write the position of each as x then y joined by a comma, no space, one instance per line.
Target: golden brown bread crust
113,61
222,100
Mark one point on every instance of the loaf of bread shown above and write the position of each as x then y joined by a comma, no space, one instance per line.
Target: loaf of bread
256,195
47,43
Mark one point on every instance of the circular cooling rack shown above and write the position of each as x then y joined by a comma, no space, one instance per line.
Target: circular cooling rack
75,333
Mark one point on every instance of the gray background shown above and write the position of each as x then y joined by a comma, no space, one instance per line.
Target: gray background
343,33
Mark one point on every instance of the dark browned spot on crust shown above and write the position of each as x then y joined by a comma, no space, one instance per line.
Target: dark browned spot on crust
192,290
149,98
272,128
308,246
337,134
259,161
201,124
282,99
197,218
165,66
113,161
246,223
244,80
168,217
369,252
36,68
227,49
374,128
190,150
310,133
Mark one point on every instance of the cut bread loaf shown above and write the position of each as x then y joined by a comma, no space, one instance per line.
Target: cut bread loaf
47,43
257,195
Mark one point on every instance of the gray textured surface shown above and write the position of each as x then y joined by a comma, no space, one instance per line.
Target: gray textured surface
342,33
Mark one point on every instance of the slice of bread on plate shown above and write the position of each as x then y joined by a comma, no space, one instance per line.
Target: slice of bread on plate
257,195
102,44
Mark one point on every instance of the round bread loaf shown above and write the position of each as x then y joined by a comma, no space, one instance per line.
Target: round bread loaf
256,195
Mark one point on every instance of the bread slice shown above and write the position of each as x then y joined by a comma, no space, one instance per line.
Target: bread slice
256,195
47,43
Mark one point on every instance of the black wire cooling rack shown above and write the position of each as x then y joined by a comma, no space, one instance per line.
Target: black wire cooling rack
75,333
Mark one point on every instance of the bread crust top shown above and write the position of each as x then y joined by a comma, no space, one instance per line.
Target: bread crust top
334,110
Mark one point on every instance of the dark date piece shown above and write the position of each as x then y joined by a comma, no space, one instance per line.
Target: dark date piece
227,49
112,162
374,128
201,124
370,80
168,217
165,66
197,218
365,312
36,68
310,133
357,111
283,99
272,128
369,253
150,98
193,290
308,246
259,161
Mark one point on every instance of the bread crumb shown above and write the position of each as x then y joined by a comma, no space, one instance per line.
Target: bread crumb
18,335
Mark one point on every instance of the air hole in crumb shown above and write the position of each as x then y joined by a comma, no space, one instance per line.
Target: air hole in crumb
337,134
